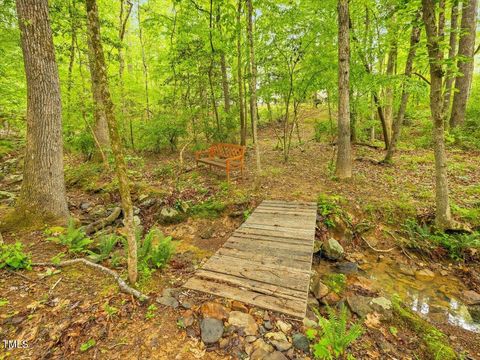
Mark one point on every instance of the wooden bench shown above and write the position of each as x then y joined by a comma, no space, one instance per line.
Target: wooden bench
226,156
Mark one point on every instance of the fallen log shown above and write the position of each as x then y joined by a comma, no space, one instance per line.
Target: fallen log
102,223
121,283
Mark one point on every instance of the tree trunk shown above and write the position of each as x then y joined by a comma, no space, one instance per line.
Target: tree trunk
253,84
397,125
443,216
452,52
43,194
99,76
344,156
466,48
391,65
243,122
144,62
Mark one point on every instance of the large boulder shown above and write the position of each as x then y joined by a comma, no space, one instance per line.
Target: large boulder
332,249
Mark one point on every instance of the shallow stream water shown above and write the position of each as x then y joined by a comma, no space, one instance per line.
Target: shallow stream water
437,299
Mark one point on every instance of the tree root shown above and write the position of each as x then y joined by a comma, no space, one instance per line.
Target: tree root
377,250
121,283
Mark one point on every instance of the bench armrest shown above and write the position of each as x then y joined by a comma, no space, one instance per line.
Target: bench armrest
227,161
200,152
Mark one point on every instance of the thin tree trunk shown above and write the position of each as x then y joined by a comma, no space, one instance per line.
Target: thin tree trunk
144,62
253,84
452,52
397,125
99,75
443,217
243,122
344,157
43,194
391,65
466,48
73,34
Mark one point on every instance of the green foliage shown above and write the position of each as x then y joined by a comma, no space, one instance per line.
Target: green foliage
105,247
151,312
163,131
81,141
83,175
335,282
328,206
154,251
87,345
334,337
73,238
324,131
209,209
13,257
110,310
3,302
425,238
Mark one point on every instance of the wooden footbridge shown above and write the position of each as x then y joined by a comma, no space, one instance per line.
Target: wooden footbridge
267,260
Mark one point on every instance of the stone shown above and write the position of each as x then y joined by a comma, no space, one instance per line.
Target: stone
381,304
170,215
84,206
346,267
244,321
474,311
207,233
406,270
185,304
223,343
284,327
312,302
167,300
258,354
300,342
187,318
319,289
471,297
424,275
239,306
359,305
276,355
250,338
213,310
332,249
308,323
331,299
211,330
277,335
281,345
261,344
317,246
268,325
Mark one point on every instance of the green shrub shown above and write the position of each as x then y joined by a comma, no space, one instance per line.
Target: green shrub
105,247
154,251
328,206
73,238
81,142
335,282
324,130
209,209
13,257
334,336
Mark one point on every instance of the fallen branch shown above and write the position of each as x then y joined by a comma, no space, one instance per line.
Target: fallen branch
121,283
100,224
377,250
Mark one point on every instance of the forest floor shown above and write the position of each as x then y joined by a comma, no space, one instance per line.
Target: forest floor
56,312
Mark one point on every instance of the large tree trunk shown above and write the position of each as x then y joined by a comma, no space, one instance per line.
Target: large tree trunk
452,52
99,76
43,193
397,125
344,156
243,122
466,48
443,217
253,84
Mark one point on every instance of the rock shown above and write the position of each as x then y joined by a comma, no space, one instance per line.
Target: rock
214,310
364,284
279,340
471,297
85,206
170,215
211,330
268,325
424,275
185,304
308,323
406,270
207,233
137,221
258,354
300,342
277,355
346,267
331,299
187,318
250,338
261,344
168,301
319,289
474,311
244,321
381,304
284,327
359,305
332,249
239,306
97,211
148,203
277,335
312,302
317,246
223,343
281,345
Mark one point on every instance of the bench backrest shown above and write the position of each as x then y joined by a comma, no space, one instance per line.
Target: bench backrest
227,150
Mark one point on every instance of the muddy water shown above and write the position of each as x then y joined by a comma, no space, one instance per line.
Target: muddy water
437,299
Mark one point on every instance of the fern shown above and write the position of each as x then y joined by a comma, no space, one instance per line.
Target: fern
154,251
74,239
335,336
105,247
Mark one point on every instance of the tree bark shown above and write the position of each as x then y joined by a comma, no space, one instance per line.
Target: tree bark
397,125
443,218
144,62
43,193
344,156
99,76
253,84
243,122
391,65
452,52
466,48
